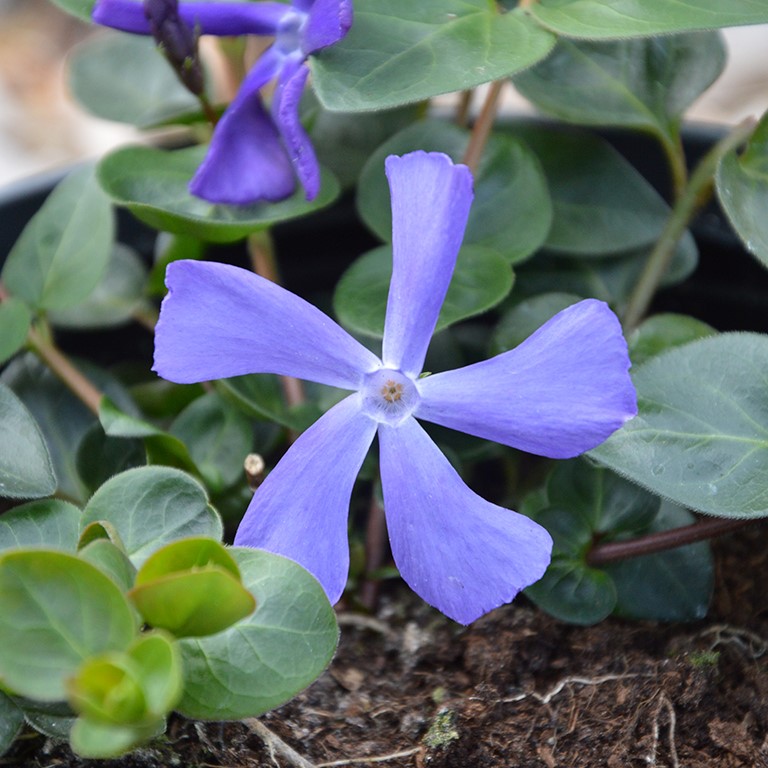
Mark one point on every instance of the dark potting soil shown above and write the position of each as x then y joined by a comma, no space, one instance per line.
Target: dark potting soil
410,689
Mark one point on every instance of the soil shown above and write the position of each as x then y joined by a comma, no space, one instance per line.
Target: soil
410,689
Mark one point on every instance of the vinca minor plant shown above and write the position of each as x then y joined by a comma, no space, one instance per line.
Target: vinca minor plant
180,516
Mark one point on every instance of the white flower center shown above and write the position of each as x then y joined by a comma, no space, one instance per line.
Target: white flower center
288,38
389,396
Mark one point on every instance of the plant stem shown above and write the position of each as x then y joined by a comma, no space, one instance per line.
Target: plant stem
695,194
463,107
262,256
675,154
482,127
663,540
375,544
55,359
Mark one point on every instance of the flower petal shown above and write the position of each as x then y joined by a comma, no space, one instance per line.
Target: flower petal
462,554
209,18
301,509
246,161
285,108
430,203
329,21
218,321
563,391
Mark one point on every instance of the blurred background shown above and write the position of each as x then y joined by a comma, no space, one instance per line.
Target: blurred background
41,129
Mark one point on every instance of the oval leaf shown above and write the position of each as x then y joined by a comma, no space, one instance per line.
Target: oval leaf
58,610
15,319
48,523
11,722
152,184
268,657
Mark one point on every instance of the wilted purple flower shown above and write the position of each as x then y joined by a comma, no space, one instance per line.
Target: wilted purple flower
561,392
255,155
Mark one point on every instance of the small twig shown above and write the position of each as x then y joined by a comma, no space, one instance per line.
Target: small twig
360,621
482,127
368,760
276,745
664,540
558,687
746,640
664,703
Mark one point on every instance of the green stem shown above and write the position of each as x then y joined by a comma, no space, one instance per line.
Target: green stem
663,540
695,194
675,154
482,127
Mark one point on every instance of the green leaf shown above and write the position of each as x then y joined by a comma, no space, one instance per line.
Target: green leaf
511,212
159,663
152,184
119,293
11,722
641,18
645,84
96,740
219,439
191,588
126,79
15,319
63,251
701,436
481,280
100,456
669,586
54,720
47,523
80,8
742,188
26,470
111,560
268,657
58,611
517,324
602,205
152,506
399,51
661,332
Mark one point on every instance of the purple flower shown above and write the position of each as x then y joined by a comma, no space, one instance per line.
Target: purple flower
255,155
561,392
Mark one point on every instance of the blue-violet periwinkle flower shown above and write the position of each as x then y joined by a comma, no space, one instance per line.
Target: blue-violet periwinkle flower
561,392
255,155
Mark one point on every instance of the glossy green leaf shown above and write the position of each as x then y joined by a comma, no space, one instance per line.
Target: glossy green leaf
219,439
191,588
517,324
126,79
11,722
646,84
64,249
701,436
110,558
268,657
152,184
481,280
675,585
152,506
742,187
594,19
62,418
46,523
15,319
99,456
511,212
119,294
58,610
26,471
399,51
602,205
661,332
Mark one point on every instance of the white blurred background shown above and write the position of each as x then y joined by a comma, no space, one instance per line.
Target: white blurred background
42,129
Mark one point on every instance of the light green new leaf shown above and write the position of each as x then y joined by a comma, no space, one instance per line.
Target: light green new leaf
152,506
15,319
58,610
742,186
400,51
268,657
47,523
481,280
152,184
511,211
26,470
701,436
64,249
645,84
593,19
126,79
98,740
